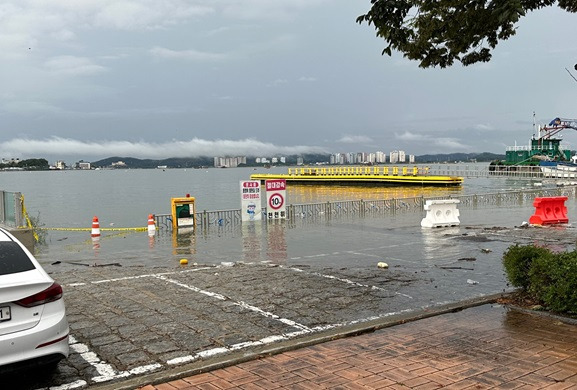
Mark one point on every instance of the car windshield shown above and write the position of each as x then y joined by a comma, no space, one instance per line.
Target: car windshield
13,259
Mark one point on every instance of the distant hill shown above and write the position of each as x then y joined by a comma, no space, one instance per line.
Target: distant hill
196,162
131,162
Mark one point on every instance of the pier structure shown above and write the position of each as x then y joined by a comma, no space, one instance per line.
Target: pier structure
379,175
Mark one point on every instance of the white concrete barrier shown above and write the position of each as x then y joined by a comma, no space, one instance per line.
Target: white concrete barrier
441,212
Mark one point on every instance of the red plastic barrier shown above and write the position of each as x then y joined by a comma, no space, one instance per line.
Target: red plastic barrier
549,211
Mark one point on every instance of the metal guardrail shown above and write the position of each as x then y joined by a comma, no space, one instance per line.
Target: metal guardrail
207,220
520,172
12,209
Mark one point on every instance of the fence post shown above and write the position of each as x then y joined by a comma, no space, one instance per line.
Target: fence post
18,210
2,207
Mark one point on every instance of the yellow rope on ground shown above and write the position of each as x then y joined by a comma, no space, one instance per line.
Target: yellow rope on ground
28,221
30,226
134,229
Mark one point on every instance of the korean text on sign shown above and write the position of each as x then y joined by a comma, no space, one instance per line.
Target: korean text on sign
275,185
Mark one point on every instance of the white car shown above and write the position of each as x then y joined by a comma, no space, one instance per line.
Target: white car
33,325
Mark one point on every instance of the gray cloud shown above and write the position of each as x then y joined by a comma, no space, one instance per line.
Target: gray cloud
431,142
354,139
143,149
73,65
188,55
260,74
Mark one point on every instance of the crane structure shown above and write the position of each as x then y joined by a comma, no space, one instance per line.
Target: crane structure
557,125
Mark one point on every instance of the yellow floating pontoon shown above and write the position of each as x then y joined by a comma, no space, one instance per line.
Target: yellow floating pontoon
362,176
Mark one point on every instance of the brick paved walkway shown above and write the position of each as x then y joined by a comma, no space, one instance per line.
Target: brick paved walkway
478,348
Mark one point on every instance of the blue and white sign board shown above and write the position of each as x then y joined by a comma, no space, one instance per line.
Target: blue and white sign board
250,200
275,198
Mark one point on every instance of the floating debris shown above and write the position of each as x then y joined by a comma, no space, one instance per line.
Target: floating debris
98,265
453,267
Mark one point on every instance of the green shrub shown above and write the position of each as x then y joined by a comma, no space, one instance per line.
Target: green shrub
518,260
553,281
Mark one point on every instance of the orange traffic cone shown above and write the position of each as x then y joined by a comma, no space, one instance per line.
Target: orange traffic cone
95,227
151,225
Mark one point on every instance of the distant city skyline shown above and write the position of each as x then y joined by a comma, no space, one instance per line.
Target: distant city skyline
378,157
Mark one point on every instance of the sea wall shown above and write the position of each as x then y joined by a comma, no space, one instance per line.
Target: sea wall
24,235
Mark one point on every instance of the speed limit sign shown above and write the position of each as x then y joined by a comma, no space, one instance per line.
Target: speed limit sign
276,201
276,198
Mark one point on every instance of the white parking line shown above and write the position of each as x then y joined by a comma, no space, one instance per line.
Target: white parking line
275,339
108,373
141,276
69,386
242,304
91,358
125,374
344,281
192,288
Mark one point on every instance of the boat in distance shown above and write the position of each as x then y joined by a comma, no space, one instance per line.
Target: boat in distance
375,175
544,151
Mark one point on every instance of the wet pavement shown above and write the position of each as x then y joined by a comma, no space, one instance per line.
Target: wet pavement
130,321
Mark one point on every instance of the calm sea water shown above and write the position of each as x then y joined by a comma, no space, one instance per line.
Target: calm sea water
125,198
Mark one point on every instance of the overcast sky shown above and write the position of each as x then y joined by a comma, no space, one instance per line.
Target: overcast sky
90,79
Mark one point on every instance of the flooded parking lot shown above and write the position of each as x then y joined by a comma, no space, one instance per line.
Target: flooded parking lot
133,309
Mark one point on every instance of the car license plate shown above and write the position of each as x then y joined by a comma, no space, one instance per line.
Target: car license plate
4,313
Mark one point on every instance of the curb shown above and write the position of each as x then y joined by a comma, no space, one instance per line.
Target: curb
238,357
545,313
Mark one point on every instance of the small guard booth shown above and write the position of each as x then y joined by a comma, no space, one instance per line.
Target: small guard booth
182,210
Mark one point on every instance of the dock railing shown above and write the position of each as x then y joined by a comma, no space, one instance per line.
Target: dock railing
207,220
476,170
